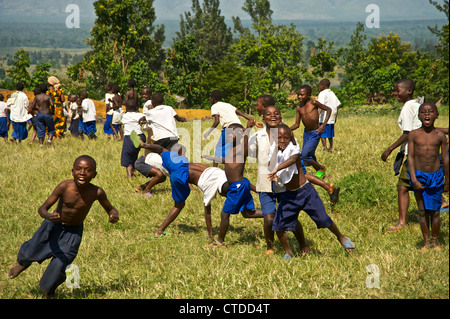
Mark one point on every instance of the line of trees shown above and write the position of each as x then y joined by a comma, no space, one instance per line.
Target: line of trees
243,62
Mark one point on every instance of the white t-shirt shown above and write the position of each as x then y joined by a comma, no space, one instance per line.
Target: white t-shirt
109,96
227,113
409,119
89,112
147,106
328,98
130,121
162,121
73,108
19,107
285,175
3,107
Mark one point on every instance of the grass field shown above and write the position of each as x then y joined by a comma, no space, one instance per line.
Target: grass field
122,261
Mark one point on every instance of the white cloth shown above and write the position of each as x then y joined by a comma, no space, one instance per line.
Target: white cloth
285,175
19,107
227,113
162,122
109,96
73,110
3,107
409,119
89,112
328,98
211,181
130,121
147,106
155,160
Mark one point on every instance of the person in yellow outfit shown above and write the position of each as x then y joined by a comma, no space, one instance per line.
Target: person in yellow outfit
57,93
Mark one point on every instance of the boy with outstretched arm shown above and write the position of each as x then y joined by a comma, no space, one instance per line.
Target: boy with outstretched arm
299,195
308,114
64,227
428,179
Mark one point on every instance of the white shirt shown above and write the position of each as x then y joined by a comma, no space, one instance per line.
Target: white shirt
89,112
130,121
19,107
328,98
109,96
74,110
285,175
409,119
3,107
162,122
147,106
259,147
227,113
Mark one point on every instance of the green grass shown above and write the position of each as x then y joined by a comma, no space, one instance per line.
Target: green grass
122,261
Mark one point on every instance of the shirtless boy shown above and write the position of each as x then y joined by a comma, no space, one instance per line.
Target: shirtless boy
64,227
44,118
308,114
428,179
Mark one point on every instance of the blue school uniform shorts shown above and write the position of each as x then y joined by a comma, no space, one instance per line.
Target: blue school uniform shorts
107,126
178,168
20,130
433,184
43,123
89,127
3,127
310,141
222,146
328,132
130,153
290,203
239,198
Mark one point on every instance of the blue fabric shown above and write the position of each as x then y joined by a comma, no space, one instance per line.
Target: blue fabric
130,153
43,123
3,127
20,130
310,141
268,203
107,129
433,184
328,132
290,203
239,198
178,168
222,147
52,240
89,126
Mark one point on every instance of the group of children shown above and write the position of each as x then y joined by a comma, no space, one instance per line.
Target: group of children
283,186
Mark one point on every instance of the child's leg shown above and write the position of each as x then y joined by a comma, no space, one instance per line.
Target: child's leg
173,214
341,238
223,228
130,170
435,217
300,236
324,144
331,144
284,242
269,234
158,178
254,213
423,219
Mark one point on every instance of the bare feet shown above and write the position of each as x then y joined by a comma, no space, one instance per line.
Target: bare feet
16,270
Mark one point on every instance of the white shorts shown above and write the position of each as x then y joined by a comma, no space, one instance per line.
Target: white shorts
211,181
155,160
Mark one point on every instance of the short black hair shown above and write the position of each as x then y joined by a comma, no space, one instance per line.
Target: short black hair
305,87
87,158
216,95
267,100
19,86
325,82
430,104
158,98
131,83
410,84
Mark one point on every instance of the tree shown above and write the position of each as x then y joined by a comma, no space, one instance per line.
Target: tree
18,72
40,74
123,34
206,25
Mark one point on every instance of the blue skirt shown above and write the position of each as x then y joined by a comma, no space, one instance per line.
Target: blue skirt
107,126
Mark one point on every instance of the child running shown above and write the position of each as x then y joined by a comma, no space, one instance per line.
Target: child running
4,120
59,236
428,179
308,114
299,195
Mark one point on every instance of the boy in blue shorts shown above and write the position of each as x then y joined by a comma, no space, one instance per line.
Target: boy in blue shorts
178,167
44,117
299,195
308,114
239,198
428,179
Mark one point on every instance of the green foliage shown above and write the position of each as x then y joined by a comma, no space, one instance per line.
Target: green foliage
19,72
40,74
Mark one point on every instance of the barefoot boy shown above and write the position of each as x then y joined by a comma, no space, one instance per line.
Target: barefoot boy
308,114
425,144
299,195
60,233
44,117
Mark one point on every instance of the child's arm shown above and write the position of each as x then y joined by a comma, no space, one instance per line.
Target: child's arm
154,148
208,221
445,162
215,159
290,161
51,200
403,138
103,200
327,116
180,118
213,126
411,163
248,118
298,119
